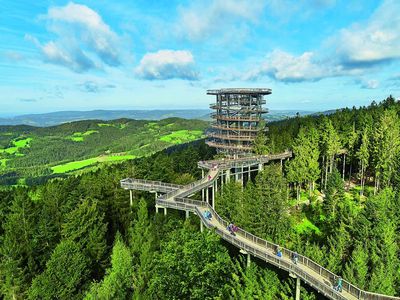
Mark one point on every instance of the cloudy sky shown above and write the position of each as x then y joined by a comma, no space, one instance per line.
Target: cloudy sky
140,54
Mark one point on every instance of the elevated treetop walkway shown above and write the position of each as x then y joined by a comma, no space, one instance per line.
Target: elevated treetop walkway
306,269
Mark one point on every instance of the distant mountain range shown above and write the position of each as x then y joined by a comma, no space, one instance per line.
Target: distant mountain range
59,117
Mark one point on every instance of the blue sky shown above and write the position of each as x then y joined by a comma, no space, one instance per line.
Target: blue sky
136,54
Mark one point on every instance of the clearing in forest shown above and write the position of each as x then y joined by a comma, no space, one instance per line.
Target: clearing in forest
182,136
76,165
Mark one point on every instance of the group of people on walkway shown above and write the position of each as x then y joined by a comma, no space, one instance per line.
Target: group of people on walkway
338,286
232,228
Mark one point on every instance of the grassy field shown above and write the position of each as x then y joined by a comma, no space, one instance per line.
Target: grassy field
80,136
76,165
182,136
17,145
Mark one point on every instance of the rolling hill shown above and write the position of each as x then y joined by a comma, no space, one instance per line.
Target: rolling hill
31,154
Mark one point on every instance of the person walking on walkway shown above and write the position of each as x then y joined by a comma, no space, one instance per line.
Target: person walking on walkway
295,258
279,252
339,285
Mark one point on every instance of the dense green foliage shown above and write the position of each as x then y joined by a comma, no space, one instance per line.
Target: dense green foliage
78,238
344,177
31,155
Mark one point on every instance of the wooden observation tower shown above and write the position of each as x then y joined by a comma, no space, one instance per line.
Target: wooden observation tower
237,119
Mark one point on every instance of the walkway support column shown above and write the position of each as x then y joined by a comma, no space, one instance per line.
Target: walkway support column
131,197
207,196
228,176
249,260
213,195
156,209
260,167
165,211
187,214
298,288
201,226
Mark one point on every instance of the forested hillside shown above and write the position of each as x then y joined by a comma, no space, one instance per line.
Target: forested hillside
77,237
31,155
338,200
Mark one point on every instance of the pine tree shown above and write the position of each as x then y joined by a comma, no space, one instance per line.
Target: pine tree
260,144
65,276
338,244
253,283
363,156
333,196
142,244
266,212
230,201
85,226
356,270
119,278
19,246
330,141
386,147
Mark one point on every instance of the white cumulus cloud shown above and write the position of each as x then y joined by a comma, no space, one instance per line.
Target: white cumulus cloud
167,64
286,67
356,50
84,41
204,18
376,41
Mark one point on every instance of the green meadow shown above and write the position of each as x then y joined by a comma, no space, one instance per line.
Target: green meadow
76,165
182,136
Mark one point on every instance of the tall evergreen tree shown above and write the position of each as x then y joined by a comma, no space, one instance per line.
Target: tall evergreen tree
356,270
66,274
386,147
363,156
85,226
330,144
19,246
333,196
265,211
119,278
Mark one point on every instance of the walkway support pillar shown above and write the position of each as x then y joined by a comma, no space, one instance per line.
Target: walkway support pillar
298,288
156,209
228,176
131,197
201,226
242,177
187,214
248,259
213,195
260,167
207,196
165,211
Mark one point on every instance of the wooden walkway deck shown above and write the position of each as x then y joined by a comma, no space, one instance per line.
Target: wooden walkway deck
307,270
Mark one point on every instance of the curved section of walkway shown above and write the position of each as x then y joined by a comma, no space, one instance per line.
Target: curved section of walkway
309,271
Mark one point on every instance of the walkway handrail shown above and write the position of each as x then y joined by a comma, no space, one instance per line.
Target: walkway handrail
256,159
199,184
325,273
127,181
176,199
